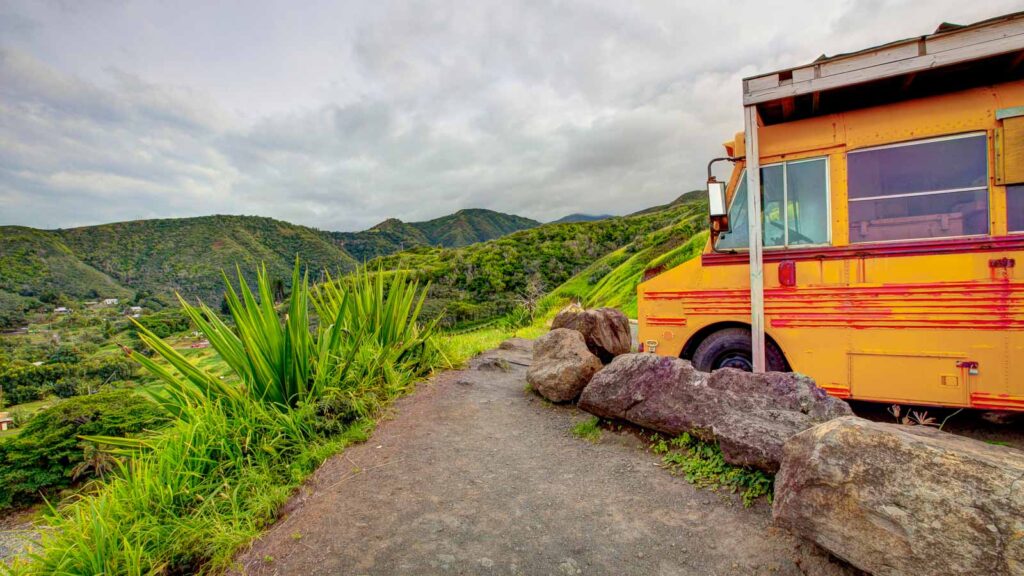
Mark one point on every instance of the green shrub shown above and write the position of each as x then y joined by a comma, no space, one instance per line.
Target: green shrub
28,383
42,458
165,322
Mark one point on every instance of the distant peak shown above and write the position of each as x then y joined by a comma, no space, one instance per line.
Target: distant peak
389,223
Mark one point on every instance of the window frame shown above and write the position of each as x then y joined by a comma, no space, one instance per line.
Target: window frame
785,204
960,135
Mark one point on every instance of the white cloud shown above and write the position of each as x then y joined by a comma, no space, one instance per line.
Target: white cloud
341,115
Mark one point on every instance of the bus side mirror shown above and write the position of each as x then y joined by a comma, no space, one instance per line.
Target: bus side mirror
716,206
716,198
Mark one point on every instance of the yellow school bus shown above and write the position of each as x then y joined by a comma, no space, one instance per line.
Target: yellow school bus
892,208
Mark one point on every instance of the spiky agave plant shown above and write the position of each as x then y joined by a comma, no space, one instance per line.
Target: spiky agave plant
368,324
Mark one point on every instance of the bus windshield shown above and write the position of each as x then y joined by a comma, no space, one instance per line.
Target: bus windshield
794,206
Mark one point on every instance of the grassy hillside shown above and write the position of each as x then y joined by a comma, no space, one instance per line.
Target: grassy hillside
463,228
37,268
34,262
612,279
187,255
598,262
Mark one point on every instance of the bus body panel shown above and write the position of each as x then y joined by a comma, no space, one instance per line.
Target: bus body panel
936,322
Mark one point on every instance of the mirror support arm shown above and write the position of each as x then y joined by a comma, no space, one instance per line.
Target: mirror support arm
711,177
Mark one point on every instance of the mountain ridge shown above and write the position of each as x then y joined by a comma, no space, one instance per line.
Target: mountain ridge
148,261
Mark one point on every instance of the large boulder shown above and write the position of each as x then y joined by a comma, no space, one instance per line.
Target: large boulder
562,365
894,499
750,415
606,330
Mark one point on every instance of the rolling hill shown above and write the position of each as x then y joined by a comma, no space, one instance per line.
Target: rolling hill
187,255
597,262
481,264
37,267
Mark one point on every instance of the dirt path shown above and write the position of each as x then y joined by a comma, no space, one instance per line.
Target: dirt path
475,476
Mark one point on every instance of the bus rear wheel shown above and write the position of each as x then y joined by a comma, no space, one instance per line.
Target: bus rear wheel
730,348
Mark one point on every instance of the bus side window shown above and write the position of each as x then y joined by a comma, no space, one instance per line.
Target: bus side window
917,190
1015,208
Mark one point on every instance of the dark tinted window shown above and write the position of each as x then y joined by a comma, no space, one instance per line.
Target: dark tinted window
927,189
1015,208
920,167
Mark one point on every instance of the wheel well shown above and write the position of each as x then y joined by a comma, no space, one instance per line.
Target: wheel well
691,345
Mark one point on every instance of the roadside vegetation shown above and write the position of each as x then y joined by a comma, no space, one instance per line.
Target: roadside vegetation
701,464
183,499
49,456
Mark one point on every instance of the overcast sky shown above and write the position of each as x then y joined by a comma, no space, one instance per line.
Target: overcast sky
341,114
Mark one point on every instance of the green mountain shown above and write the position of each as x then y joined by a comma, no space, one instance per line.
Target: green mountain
597,262
470,226
481,264
187,255
147,261
463,228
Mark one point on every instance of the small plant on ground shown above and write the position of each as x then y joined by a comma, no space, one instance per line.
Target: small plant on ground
702,464
589,429
913,417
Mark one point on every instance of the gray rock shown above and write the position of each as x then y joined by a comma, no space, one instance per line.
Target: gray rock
517,344
606,330
894,499
562,365
750,415
491,364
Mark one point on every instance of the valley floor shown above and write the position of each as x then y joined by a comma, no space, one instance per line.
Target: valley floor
474,475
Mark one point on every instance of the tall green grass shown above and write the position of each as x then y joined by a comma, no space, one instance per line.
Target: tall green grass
183,501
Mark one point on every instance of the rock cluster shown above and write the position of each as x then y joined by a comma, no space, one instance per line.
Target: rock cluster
750,415
890,499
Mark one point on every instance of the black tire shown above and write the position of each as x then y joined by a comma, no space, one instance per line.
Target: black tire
730,348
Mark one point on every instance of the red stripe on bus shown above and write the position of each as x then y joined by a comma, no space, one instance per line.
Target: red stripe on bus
889,249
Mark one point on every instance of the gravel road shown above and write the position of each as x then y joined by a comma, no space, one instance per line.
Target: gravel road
473,475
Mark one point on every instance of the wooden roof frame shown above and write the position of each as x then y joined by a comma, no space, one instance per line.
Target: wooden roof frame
947,47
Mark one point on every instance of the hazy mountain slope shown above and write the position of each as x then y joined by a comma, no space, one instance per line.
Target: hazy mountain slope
187,255
693,196
460,229
580,218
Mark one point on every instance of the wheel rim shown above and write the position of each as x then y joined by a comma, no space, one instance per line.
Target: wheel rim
736,360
